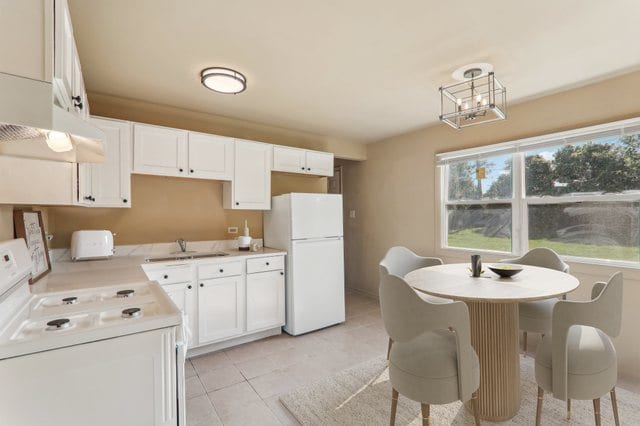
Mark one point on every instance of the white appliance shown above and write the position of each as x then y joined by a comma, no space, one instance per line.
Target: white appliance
95,356
91,245
309,228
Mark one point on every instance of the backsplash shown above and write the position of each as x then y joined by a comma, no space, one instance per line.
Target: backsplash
158,249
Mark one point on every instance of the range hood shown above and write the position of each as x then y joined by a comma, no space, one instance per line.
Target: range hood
28,114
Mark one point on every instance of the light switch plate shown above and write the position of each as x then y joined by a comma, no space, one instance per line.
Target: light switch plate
232,230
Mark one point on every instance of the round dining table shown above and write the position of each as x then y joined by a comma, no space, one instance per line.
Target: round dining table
493,313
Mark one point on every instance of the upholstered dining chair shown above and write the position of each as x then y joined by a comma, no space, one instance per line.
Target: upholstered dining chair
399,261
578,360
535,317
428,363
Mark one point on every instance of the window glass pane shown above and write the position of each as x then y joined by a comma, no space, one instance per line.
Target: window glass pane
487,178
486,227
608,165
605,230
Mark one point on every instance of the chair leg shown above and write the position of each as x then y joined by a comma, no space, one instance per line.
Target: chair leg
568,409
474,406
539,405
596,410
524,341
394,406
614,404
425,414
389,347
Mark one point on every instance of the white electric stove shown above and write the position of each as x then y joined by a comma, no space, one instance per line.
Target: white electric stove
98,356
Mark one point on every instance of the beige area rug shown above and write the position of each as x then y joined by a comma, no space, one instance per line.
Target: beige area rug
361,395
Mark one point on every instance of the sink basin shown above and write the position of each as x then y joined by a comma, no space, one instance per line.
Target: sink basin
185,255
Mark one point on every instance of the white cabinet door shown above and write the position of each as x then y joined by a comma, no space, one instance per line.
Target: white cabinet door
220,308
64,53
265,300
319,163
159,150
290,160
251,186
108,184
79,103
184,295
210,156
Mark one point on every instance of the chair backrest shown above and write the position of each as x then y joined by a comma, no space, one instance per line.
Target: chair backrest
406,316
604,312
399,261
542,257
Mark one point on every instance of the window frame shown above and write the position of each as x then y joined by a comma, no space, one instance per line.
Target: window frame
520,202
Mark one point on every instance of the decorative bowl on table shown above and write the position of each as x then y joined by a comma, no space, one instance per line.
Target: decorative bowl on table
505,270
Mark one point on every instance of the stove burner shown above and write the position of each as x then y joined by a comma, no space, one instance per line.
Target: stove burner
125,293
58,324
69,300
131,313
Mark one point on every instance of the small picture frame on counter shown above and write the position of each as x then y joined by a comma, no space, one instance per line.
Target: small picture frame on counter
28,224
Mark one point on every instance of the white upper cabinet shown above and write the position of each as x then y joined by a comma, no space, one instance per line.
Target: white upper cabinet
160,150
251,186
108,184
64,52
296,160
319,163
290,160
210,156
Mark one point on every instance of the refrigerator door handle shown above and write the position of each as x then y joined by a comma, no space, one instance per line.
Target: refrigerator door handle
310,240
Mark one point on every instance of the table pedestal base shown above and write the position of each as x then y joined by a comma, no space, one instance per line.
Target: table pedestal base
494,336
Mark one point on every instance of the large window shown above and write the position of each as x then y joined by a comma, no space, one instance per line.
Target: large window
577,192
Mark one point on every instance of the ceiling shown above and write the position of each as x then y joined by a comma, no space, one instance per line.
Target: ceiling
360,70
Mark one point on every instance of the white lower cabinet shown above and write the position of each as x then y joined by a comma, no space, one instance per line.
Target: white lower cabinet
220,309
265,300
185,296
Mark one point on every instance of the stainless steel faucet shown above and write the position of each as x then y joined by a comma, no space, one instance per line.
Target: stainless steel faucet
182,243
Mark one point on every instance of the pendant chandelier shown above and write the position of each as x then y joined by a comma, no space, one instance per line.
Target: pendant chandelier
477,98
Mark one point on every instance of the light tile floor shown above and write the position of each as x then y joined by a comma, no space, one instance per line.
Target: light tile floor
242,385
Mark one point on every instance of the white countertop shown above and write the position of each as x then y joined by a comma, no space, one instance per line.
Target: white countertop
70,275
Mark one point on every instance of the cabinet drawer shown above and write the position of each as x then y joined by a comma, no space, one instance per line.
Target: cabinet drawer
262,264
170,274
217,270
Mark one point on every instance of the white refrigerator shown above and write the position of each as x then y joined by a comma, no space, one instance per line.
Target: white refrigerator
309,228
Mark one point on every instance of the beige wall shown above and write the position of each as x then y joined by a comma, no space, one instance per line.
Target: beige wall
393,192
165,209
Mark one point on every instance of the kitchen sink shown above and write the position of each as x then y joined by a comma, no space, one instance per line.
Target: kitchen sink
186,256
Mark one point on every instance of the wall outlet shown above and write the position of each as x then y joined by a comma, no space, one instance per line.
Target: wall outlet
352,214
232,230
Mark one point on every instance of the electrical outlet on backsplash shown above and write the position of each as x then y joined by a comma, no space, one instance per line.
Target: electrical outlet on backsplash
158,249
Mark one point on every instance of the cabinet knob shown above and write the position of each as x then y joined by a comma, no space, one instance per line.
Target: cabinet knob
93,198
189,286
309,168
181,170
201,285
124,200
267,263
237,203
281,273
166,276
77,101
190,170
87,197
221,270
302,168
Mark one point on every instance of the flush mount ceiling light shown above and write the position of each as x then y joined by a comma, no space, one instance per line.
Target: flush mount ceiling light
477,98
223,80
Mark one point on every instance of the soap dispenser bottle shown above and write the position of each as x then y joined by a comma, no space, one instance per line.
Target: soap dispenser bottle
244,241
